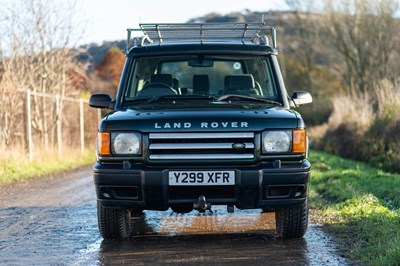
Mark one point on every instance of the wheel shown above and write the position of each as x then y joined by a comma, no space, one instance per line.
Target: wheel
291,222
113,223
182,208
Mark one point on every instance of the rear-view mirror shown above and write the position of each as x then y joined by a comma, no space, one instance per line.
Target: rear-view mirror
200,63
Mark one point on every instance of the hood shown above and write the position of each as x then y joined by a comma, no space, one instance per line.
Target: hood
200,120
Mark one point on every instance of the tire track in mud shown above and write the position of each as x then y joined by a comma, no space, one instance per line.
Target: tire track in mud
53,221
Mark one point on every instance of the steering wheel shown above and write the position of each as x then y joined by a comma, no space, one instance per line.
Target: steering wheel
156,89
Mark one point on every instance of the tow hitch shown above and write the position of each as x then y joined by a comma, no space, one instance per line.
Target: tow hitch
202,205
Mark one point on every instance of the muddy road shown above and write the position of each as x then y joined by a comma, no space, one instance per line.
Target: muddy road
53,221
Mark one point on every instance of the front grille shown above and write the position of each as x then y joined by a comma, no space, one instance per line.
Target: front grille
201,146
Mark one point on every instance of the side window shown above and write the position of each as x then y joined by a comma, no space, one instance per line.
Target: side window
260,69
267,81
141,72
132,82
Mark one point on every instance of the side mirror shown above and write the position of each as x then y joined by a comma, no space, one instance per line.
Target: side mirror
100,101
301,98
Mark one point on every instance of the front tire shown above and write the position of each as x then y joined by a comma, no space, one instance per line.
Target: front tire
113,223
291,222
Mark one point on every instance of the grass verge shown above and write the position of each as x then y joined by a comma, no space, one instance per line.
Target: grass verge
359,205
17,168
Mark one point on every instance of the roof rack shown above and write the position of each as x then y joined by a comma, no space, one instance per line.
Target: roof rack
256,33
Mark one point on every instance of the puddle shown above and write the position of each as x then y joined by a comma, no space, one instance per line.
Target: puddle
220,238
321,249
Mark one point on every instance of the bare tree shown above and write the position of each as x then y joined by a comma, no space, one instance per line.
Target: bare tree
306,63
37,36
305,23
365,34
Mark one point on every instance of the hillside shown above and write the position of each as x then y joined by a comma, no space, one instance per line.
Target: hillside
95,53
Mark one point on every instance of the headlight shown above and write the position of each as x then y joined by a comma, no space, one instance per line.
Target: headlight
125,143
277,141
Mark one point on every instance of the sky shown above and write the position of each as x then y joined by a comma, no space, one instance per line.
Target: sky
107,20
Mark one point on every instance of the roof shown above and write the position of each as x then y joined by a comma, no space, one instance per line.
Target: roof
207,48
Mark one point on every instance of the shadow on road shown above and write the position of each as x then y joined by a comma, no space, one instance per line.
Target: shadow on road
168,238
232,248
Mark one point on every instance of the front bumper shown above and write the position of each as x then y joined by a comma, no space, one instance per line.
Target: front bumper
146,188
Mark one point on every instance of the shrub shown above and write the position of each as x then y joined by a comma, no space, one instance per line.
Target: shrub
351,117
364,128
319,81
381,143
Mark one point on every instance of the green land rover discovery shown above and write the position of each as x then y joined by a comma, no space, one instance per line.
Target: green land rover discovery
201,118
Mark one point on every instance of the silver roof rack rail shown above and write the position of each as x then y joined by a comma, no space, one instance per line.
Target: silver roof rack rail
256,33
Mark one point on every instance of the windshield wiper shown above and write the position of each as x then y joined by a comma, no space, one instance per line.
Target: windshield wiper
247,98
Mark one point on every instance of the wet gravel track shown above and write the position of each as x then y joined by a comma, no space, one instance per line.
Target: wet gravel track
53,221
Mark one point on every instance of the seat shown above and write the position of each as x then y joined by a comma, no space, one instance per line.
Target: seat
201,84
160,84
240,84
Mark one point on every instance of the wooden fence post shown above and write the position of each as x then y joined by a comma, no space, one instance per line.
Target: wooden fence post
58,124
82,125
29,123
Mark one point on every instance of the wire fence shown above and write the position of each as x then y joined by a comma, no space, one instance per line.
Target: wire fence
36,122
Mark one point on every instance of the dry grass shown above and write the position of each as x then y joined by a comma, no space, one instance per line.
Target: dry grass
364,127
16,166
317,133
388,100
355,110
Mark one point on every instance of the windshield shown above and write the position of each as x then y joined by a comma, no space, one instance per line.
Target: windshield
199,75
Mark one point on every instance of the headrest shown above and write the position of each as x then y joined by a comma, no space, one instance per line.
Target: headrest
245,81
201,84
162,78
